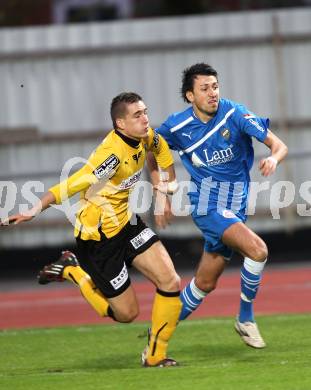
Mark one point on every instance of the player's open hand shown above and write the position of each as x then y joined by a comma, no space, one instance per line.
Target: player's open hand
267,166
15,219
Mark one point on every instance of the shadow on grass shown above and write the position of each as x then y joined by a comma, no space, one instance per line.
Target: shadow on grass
219,354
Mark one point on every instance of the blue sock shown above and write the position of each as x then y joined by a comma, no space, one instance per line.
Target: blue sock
191,297
246,311
249,286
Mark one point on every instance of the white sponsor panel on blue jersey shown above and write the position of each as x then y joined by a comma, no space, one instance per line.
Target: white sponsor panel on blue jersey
217,157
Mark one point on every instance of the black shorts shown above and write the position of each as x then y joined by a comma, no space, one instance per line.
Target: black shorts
107,261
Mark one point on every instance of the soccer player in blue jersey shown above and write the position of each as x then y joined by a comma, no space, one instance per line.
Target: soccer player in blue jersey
214,140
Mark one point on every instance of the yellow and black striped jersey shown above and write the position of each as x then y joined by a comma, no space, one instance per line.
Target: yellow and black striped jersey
106,181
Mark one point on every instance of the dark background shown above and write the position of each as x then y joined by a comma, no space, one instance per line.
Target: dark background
284,248
14,13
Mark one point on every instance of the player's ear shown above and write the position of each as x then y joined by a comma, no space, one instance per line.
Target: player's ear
189,96
120,123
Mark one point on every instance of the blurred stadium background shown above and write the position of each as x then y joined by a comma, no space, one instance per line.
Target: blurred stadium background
62,61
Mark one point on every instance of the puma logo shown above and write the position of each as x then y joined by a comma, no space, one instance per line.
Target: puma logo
187,135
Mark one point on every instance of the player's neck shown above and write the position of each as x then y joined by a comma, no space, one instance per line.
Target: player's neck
129,140
203,116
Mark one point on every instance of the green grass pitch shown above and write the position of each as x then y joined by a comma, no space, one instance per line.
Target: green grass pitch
211,356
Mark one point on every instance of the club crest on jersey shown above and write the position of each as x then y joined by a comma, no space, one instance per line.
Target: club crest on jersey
106,168
136,157
225,133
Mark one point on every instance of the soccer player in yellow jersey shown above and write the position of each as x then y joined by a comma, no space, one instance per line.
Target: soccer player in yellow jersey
109,238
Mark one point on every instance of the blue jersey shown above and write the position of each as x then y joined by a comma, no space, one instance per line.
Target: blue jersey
218,155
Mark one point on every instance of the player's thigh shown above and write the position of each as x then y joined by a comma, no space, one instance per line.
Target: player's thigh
155,263
243,240
210,268
125,306
104,261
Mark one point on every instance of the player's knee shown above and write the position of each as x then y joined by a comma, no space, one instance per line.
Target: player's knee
170,283
127,315
260,251
175,283
206,285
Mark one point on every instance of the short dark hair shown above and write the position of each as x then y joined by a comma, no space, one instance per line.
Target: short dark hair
119,105
189,74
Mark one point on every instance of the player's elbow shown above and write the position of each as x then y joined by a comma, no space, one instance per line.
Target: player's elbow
282,150
285,150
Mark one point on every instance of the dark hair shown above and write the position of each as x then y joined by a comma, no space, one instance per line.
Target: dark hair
119,105
189,74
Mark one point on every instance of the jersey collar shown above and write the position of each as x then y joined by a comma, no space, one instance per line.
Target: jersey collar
132,142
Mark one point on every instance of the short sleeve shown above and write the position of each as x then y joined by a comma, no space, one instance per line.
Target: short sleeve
164,130
251,124
160,149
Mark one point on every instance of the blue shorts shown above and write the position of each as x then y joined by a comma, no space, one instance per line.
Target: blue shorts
212,225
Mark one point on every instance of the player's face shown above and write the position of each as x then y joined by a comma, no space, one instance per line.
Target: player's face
135,124
205,95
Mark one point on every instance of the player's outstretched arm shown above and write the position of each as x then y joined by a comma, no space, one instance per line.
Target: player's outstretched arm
163,213
45,202
267,166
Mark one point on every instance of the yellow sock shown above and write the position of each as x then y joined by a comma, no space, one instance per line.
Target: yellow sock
87,288
165,314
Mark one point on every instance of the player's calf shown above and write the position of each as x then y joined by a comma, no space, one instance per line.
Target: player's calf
251,273
191,297
246,327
